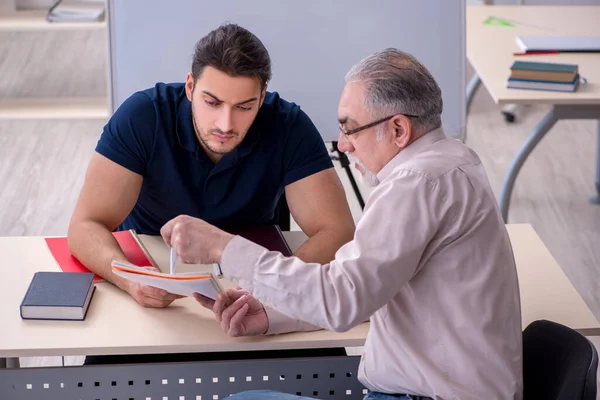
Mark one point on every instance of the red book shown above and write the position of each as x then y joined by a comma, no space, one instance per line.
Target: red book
134,250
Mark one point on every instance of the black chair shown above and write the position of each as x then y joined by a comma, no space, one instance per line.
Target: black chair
282,214
558,363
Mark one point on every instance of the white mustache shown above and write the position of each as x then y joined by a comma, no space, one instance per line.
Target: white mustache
367,177
355,160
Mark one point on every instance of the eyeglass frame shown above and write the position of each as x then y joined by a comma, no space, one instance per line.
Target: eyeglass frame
371,124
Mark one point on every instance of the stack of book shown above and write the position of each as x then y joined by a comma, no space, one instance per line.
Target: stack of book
544,76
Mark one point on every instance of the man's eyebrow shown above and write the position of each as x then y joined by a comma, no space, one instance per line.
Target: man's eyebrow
212,95
345,120
221,101
247,101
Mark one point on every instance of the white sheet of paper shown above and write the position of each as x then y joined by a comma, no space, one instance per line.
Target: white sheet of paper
205,287
173,261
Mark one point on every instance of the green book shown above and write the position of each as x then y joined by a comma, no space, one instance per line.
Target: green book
544,66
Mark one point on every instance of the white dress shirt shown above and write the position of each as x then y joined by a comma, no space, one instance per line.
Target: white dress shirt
430,264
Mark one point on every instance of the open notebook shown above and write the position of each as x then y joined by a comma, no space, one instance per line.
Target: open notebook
185,284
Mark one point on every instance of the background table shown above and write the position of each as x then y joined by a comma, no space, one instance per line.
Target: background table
490,51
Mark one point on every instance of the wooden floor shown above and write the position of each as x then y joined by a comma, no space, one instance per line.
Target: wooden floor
43,162
66,63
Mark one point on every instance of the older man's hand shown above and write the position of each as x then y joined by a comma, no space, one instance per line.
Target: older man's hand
195,241
238,312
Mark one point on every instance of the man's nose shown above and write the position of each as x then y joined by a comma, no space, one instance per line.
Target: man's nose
344,145
225,122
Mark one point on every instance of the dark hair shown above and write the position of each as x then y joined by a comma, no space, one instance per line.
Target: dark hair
235,51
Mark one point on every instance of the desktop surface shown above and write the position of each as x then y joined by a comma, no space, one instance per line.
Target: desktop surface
116,324
490,49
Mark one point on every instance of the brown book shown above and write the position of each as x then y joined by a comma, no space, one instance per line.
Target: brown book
551,76
267,236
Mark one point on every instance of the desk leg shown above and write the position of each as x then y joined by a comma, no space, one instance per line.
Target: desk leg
596,198
471,89
515,166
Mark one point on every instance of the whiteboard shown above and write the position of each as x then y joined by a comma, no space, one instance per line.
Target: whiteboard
312,44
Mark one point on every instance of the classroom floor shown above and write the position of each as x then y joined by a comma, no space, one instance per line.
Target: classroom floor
43,162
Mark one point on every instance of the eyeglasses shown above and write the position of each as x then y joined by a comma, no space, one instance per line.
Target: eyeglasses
369,125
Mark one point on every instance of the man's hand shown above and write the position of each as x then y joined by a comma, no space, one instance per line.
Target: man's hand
149,296
239,313
195,241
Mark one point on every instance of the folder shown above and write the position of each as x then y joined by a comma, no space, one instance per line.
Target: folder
129,242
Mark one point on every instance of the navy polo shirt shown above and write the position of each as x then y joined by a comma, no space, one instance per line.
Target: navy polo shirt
152,134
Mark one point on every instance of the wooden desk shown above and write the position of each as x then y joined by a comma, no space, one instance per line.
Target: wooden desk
117,324
546,292
490,51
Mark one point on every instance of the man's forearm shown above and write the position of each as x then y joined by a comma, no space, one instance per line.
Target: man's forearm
95,247
322,246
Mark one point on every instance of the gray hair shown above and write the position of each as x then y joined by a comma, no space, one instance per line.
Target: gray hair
397,83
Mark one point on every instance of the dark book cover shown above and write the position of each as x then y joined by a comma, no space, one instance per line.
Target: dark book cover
267,236
544,66
58,295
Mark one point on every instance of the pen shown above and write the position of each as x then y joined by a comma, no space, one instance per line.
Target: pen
173,261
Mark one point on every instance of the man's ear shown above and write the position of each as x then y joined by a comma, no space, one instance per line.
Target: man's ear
402,131
189,86
262,96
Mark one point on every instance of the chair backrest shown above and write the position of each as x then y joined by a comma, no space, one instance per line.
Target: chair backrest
282,214
558,363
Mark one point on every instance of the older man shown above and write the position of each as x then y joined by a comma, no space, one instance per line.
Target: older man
430,264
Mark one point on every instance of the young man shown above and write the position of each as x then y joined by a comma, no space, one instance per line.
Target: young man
430,264
219,147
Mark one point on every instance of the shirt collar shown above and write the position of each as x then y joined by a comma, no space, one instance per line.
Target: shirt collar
410,151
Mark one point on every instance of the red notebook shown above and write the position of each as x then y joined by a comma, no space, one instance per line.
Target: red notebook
130,244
